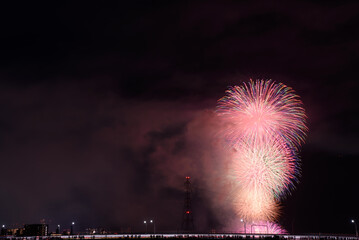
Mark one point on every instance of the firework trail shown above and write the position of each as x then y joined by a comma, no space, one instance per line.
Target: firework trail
265,124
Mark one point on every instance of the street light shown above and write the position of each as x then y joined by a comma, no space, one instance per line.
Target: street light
72,228
154,226
245,228
3,230
58,229
356,229
145,222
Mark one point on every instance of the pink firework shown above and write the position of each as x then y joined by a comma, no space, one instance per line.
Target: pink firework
264,227
267,166
263,173
255,205
265,124
263,109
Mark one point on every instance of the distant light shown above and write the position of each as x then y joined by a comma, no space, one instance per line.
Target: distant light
353,221
144,222
151,221
187,212
73,223
58,225
3,226
241,220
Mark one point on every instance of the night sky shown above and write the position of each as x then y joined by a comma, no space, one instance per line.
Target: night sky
105,108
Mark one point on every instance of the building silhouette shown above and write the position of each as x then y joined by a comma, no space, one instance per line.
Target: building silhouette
36,229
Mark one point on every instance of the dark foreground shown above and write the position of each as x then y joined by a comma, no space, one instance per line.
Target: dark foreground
189,237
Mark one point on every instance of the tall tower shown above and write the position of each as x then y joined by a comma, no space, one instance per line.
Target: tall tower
187,219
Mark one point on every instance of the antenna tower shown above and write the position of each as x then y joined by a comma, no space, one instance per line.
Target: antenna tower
187,220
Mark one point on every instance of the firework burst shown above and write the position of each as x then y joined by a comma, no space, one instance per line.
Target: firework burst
259,110
265,166
265,124
265,227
